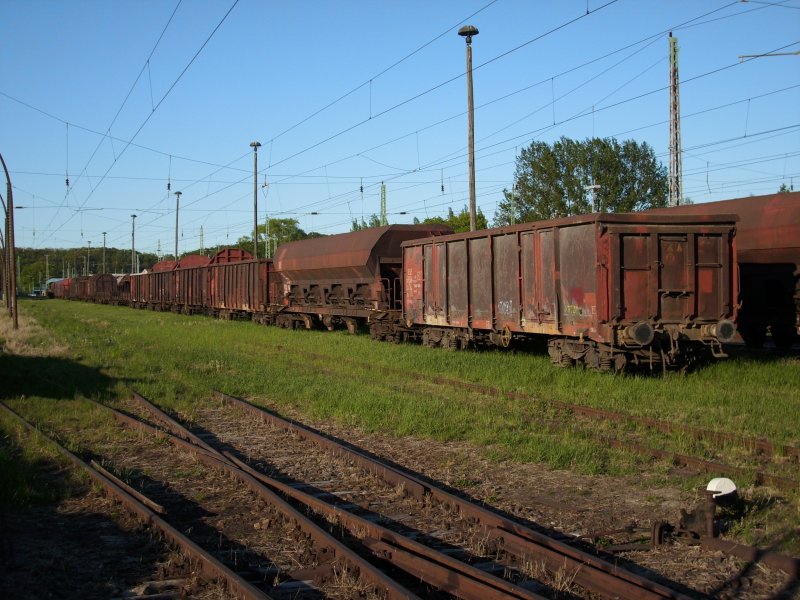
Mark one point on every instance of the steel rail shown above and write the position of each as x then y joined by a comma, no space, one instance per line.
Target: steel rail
435,568
790,565
210,566
154,506
588,571
760,445
707,466
326,544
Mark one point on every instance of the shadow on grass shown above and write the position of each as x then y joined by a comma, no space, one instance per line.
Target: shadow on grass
48,552
49,377
765,355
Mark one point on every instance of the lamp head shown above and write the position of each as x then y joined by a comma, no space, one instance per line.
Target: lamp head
467,31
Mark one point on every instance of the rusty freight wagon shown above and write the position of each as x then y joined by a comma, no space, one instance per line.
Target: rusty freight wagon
190,280
236,285
60,289
154,289
78,288
346,278
768,243
608,290
103,289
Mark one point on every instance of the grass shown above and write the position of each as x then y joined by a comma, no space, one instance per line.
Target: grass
178,359
74,351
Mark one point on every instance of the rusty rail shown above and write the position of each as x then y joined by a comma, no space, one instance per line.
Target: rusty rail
590,572
155,506
707,466
210,567
755,444
433,567
788,564
326,544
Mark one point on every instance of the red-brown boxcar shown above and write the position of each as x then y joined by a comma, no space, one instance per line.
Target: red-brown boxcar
346,277
608,289
237,289
78,288
768,240
102,288
190,280
60,288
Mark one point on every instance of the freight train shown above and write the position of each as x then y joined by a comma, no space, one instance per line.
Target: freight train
768,242
609,291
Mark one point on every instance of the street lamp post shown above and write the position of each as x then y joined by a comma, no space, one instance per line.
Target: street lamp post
177,205
133,243
255,146
467,31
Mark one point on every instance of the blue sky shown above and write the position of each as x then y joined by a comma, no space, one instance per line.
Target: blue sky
340,93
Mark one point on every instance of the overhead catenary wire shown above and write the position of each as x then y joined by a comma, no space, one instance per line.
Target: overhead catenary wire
418,167
160,102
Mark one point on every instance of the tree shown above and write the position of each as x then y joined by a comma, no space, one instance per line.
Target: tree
280,231
552,181
785,189
374,221
458,222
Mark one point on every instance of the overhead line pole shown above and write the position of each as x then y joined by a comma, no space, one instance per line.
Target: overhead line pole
133,243
12,277
467,32
675,150
255,146
177,207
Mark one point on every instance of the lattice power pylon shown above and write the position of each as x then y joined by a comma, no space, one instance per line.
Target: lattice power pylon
675,164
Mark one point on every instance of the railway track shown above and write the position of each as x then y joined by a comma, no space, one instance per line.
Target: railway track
392,520
328,499
763,451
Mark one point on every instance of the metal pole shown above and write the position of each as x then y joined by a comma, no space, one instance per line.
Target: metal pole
467,32
133,243
255,146
88,250
675,150
5,255
177,206
4,265
10,245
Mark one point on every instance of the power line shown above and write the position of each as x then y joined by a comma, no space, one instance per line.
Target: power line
155,108
376,76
